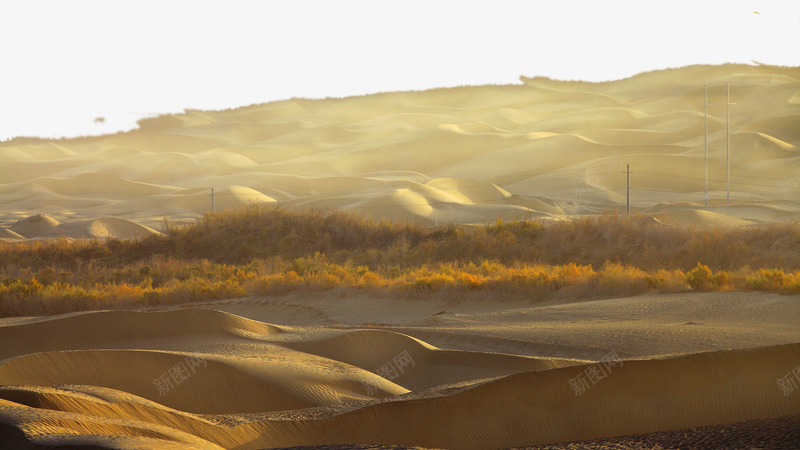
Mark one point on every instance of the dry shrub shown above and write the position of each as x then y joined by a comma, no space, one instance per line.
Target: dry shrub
571,274
699,278
430,282
470,282
269,251
793,286
768,280
667,281
370,280
616,279
274,284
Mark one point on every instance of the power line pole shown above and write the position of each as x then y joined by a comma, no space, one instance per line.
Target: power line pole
705,138
728,140
727,137
628,190
212,200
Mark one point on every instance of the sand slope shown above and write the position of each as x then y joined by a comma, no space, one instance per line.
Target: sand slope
467,154
499,374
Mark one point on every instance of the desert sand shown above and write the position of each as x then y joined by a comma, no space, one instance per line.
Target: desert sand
542,148
443,371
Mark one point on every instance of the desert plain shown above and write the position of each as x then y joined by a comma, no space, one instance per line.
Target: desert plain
446,356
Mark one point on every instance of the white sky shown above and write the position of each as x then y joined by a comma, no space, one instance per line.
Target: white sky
64,63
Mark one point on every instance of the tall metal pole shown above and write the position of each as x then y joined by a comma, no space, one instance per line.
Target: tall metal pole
628,190
212,199
728,138
705,139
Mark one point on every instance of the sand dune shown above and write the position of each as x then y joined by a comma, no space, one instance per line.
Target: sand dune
523,409
35,226
550,140
42,226
490,381
197,200
698,217
103,228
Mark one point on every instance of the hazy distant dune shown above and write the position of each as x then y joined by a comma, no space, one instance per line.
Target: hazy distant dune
564,140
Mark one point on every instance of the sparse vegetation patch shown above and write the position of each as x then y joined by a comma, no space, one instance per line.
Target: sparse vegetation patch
258,251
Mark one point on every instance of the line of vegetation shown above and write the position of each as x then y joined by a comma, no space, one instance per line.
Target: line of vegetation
258,251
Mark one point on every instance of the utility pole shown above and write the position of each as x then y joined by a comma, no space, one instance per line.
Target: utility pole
727,137
728,140
705,139
212,200
628,190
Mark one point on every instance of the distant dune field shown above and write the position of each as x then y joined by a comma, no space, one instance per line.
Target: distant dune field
543,148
